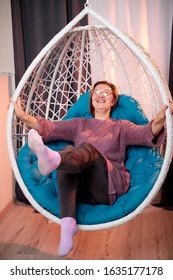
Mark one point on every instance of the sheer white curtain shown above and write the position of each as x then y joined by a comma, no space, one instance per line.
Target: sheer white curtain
149,22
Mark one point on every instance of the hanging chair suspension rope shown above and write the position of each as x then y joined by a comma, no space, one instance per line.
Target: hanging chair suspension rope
87,4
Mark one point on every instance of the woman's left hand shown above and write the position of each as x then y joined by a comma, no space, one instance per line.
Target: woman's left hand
160,119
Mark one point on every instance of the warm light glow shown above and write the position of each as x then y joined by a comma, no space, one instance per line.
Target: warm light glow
5,167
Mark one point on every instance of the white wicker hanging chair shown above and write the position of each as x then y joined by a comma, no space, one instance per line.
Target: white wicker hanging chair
67,67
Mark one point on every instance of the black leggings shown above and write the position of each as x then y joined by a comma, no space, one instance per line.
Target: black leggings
83,177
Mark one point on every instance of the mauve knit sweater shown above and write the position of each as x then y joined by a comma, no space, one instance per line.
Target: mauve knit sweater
110,137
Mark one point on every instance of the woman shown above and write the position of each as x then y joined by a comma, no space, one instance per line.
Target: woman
93,170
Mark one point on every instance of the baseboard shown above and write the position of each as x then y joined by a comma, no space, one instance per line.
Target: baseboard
3,211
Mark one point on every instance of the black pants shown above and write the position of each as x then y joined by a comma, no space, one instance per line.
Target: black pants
82,177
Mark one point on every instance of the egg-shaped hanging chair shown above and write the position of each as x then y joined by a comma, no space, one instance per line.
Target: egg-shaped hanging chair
57,86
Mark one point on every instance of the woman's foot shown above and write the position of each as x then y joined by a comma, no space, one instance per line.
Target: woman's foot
68,230
48,160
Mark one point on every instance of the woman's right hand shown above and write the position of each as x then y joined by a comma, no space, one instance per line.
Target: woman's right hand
18,109
28,119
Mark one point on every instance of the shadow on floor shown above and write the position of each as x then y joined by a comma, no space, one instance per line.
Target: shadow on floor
10,251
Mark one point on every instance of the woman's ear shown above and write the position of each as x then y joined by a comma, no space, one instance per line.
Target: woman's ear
113,103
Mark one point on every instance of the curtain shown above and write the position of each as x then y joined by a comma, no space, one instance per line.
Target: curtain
167,189
171,66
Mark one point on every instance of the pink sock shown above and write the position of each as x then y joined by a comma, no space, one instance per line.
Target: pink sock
48,160
68,229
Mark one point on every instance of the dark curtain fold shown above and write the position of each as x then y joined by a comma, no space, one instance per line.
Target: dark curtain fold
171,66
167,189
35,23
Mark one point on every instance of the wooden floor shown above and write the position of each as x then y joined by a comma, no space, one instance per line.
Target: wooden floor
25,234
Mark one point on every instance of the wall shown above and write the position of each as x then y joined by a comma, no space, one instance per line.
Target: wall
6,38
6,90
6,179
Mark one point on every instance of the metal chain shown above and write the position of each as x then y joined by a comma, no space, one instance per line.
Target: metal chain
87,4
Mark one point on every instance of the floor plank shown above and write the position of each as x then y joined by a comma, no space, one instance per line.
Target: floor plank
26,235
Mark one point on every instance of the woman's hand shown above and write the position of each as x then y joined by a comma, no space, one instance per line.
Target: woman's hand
160,119
18,109
28,119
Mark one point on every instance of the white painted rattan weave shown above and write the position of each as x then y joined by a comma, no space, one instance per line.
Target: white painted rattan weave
67,67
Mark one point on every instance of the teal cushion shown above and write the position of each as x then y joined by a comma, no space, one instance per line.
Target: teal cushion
144,165
127,108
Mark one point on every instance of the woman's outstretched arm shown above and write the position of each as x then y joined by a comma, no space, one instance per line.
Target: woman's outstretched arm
31,121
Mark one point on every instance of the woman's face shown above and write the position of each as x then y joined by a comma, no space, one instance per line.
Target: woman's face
102,98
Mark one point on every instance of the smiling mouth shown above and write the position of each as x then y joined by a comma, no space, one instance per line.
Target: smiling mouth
100,101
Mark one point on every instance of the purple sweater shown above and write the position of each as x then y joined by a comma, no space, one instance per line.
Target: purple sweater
109,137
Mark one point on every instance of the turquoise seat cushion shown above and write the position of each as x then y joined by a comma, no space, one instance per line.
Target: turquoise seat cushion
143,163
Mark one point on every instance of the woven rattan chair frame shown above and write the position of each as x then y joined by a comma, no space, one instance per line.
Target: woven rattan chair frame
67,67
